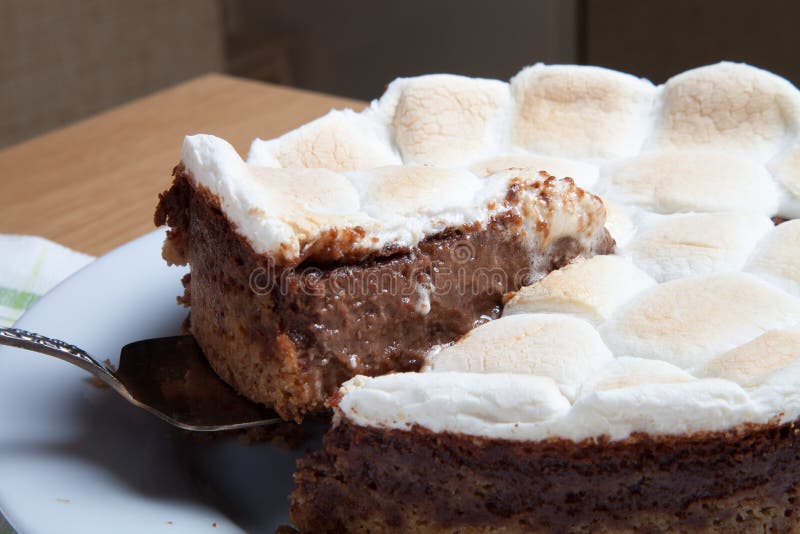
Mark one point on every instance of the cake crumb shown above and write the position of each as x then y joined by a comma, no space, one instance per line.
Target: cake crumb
168,522
96,382
214,525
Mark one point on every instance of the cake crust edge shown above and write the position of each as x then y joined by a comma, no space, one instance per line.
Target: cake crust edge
370,479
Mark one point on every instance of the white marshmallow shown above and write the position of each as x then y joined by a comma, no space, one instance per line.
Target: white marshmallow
729,106
689,321
446,120
579,111
627,372
660,409
527,407
693,180
776,259
591,289
786,169
751,364
498,405
561,347
619,224
676,246
339,141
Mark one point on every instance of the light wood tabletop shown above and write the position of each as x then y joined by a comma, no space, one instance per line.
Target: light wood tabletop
93,185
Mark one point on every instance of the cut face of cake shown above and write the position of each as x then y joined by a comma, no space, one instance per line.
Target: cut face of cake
302,278
654,389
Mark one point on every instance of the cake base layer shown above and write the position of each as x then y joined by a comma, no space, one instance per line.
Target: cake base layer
376,480
288,336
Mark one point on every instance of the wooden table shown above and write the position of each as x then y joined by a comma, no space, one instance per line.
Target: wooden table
93,185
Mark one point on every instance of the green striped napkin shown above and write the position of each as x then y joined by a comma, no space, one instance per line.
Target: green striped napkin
29,268
5,528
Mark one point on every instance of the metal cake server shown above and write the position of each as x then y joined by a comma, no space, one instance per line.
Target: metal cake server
169,377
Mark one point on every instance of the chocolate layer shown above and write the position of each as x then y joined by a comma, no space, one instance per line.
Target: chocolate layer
371,479
288,336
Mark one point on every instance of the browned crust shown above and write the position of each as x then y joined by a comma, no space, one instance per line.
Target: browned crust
289,335
373,480
172,211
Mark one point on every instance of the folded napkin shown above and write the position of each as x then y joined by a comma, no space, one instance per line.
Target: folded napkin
29,268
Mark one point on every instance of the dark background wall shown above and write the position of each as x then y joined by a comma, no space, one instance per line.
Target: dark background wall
656,38
61,61
355,47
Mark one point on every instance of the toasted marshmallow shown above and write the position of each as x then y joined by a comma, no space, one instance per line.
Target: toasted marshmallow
496,405
277,209
676,246
446,120
673,181
564,348
283,212
591,289
749,365
579,111
554,209
339,141
583,174
628,372
408,190
728,106
777,257
689,321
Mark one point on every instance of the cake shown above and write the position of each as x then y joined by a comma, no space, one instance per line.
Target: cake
567,303
302,278
653,389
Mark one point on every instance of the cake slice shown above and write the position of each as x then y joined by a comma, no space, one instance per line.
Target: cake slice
303,278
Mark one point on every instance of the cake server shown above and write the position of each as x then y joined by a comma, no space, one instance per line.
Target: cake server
169,377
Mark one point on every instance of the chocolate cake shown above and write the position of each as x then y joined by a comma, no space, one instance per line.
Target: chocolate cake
507,364
374,480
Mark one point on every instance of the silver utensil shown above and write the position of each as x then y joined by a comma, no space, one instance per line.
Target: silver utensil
169,377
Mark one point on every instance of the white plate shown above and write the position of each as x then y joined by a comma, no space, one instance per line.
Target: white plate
74,458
